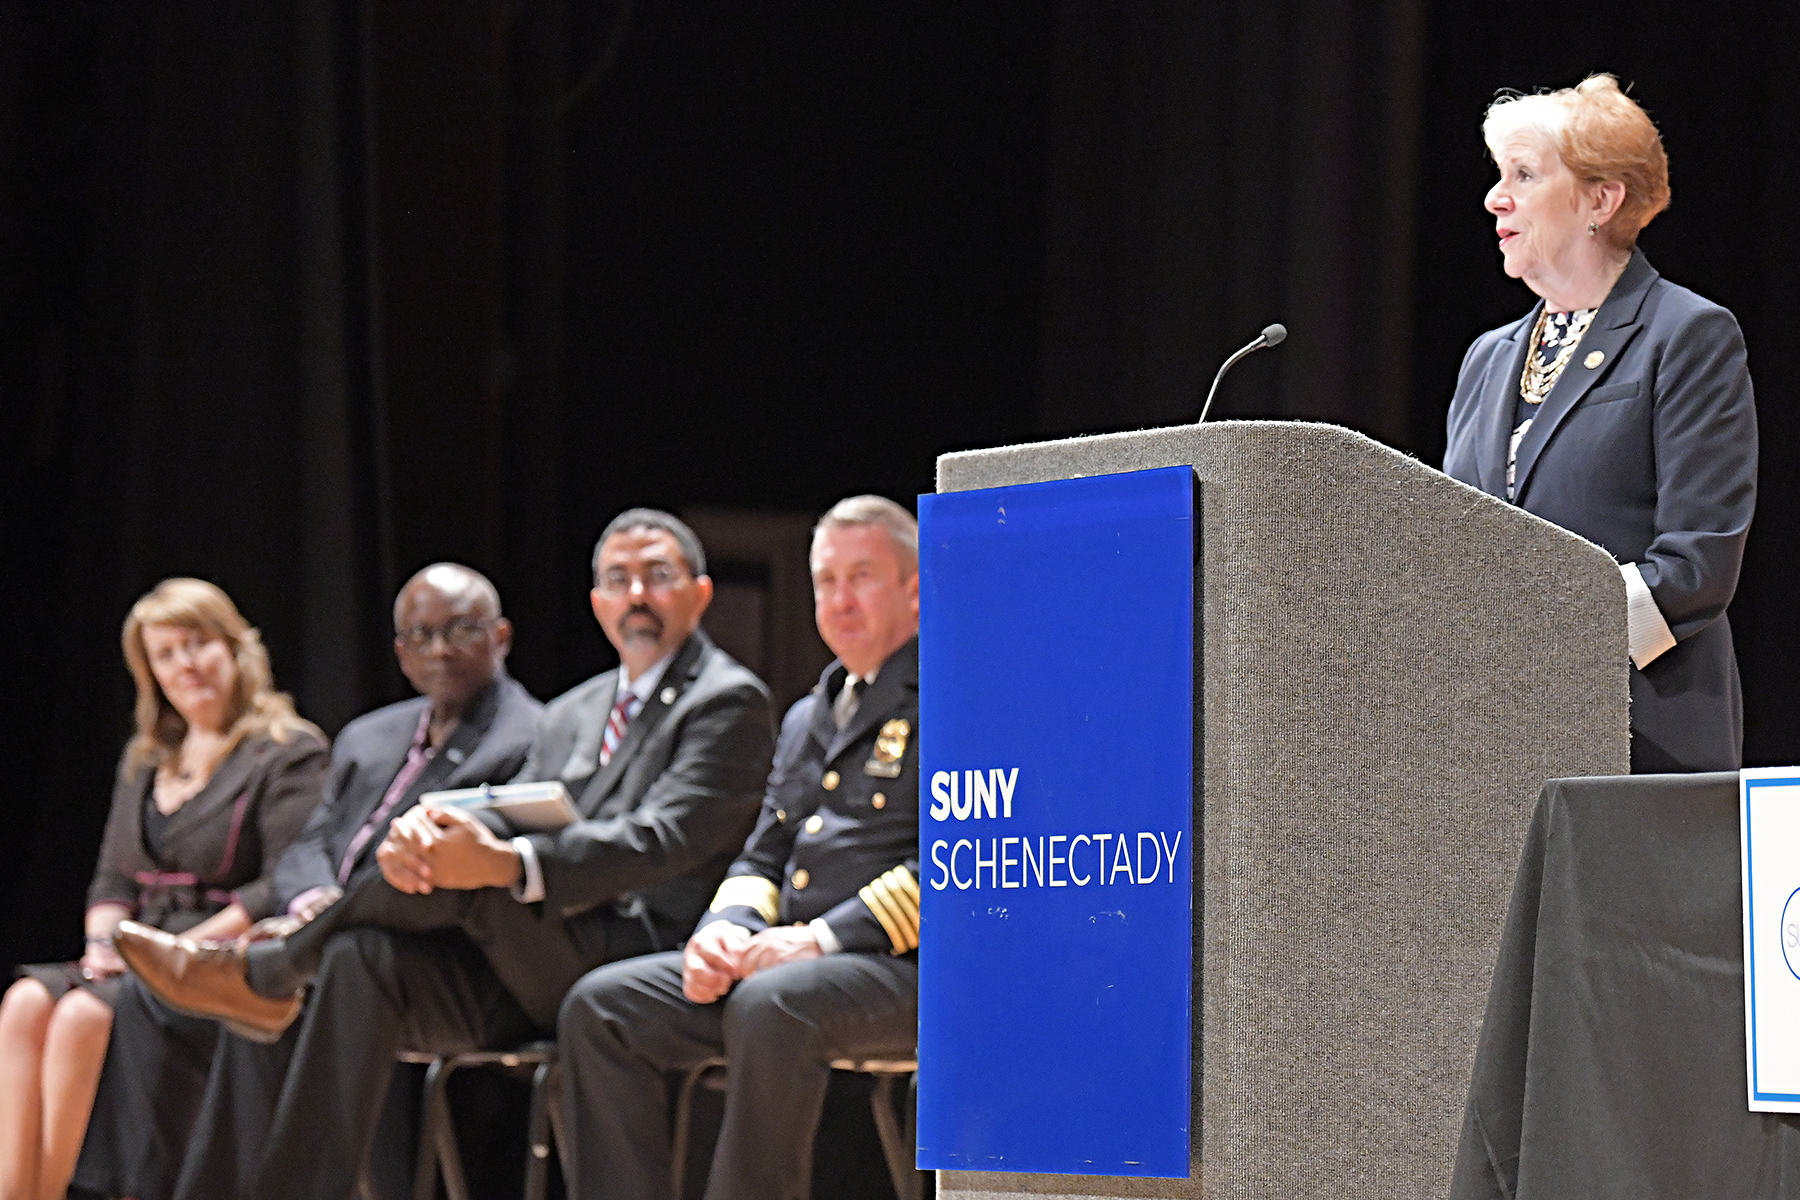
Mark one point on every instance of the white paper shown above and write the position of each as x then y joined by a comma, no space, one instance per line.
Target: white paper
1769,821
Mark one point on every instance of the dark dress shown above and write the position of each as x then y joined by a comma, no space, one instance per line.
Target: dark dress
174,873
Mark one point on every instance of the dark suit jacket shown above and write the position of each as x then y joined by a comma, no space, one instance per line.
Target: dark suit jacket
857,865
487,746
1651,454
222,843
668,812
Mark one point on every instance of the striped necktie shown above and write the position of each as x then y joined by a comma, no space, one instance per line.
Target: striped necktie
615,726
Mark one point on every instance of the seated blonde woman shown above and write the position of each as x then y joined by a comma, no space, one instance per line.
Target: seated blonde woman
220,777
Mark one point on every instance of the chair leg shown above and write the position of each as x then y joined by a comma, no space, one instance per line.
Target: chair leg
449,1156
559,1133
425,1165
678,1147
912,1137
684,1108
537,1135
437,1138
881,1103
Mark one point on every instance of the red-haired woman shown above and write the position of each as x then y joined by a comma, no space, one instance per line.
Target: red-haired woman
1619,408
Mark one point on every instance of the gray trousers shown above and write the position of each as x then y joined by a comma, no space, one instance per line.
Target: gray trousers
623,1027
532,950
377,992
444,972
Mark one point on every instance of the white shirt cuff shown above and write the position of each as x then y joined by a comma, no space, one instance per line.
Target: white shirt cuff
1648,633
828,941
530,888
299,903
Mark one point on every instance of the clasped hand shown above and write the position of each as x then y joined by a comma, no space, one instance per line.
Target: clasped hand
429,848
722,953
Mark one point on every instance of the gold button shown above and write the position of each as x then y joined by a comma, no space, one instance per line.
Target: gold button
815,823
781,814
801,879
878,800
830,782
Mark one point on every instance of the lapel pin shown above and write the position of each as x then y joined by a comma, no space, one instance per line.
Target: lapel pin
668,695
1594,359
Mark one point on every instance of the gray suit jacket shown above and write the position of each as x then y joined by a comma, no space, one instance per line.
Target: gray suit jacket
668,813
1650,453
221,845
487,746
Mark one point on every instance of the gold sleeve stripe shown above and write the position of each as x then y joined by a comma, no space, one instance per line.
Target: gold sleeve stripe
878,905
894,899
749,891
905,889
898,909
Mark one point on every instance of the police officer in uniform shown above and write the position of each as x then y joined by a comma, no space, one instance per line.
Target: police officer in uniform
810,949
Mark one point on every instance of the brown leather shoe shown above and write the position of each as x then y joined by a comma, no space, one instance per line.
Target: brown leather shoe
203,979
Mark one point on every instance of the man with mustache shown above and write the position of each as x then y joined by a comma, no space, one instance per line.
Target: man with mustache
809,952
469,937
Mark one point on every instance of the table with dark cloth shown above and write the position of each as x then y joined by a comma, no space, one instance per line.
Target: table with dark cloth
1611,1060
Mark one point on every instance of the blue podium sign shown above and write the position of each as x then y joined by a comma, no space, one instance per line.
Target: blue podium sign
1056,678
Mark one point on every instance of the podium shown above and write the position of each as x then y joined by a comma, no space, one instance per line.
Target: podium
1389,666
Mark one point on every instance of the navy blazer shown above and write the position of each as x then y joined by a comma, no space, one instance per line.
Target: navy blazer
487,746
1651,454
846,850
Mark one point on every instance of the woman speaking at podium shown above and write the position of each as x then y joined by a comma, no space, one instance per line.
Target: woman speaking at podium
1618,408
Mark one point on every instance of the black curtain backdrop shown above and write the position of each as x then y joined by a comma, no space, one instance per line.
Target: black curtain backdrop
153,379
807,236
1216,167
297,302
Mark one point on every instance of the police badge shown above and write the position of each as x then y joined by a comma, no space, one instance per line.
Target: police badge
890,748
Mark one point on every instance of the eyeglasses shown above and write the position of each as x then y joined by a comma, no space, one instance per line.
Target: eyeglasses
657,577
459,634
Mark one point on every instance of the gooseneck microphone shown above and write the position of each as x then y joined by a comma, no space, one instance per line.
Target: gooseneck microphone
1274,335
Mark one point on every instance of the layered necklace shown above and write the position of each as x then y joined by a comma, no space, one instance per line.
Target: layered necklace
1553,343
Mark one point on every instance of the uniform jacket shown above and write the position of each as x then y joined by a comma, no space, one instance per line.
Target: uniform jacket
1650,453
220,845
838,836
487,746
665,816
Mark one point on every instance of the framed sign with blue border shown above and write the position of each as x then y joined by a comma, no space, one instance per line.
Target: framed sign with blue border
1769,819
1057,835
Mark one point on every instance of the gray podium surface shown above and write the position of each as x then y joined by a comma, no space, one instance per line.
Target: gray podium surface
1394,664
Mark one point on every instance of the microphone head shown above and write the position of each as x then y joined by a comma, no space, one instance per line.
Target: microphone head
1274,335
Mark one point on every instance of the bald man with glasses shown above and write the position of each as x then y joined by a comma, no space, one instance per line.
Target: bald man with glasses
167,1075
469,935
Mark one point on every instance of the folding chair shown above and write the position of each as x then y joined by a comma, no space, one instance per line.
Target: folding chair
896,1142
